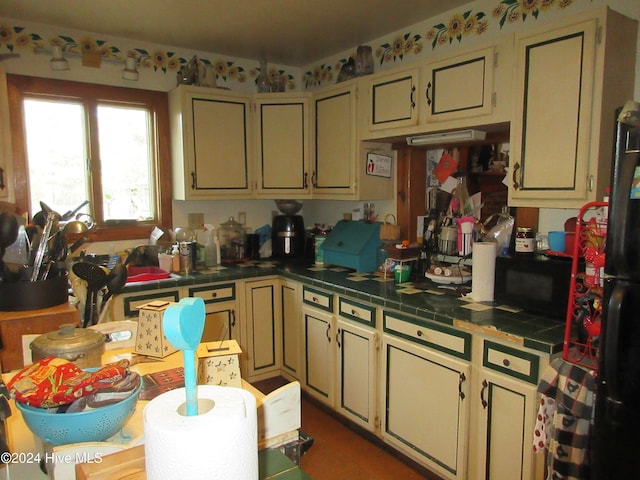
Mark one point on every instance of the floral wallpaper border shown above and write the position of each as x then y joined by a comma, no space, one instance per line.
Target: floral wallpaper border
15,38
460,26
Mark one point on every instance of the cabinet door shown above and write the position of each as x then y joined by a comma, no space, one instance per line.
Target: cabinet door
460,86
126,305
282,145
552,125
319,354
263,329
221,309
335,138
357,367
507,413
392,100
426,410
291,329
6,155
210,143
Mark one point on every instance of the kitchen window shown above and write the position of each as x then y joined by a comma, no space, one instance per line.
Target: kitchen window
109,145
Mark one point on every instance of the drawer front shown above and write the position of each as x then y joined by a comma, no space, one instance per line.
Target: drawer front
357,312
317,298
214,294
438,337
510,361
132,303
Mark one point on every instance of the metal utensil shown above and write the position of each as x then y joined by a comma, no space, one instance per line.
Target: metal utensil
43,247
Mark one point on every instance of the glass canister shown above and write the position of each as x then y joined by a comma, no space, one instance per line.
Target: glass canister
232,237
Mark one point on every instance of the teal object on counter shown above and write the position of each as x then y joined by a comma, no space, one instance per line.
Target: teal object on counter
353,245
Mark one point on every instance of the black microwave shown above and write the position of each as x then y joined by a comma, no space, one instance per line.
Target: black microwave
535,283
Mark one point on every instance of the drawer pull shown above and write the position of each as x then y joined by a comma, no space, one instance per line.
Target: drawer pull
485,385
315,300
214,294
354,312
419,333
506,362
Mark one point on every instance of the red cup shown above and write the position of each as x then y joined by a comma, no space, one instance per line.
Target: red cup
570,243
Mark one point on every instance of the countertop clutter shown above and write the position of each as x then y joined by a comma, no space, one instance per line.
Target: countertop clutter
441,304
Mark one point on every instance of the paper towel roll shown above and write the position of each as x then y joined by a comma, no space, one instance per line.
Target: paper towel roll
221,442
483,267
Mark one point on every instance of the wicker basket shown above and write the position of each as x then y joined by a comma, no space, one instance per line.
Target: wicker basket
389,231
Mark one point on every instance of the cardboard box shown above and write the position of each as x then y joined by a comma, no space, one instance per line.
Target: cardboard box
218,363
150,339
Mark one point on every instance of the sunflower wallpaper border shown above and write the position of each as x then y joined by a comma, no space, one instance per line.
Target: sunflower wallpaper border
459,27
14,39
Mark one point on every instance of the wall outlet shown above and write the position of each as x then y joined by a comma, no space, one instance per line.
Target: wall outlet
195,220
242,218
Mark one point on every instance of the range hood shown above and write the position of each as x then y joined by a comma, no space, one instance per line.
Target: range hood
447,137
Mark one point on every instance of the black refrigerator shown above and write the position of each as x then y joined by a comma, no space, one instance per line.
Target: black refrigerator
615,444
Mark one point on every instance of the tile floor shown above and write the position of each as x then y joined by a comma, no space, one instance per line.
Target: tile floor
339,452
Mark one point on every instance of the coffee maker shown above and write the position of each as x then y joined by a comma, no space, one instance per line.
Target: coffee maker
288,235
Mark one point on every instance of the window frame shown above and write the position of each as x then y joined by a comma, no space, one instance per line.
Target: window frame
20,86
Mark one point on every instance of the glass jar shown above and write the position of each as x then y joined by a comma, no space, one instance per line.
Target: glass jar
525,240
232,238
262,82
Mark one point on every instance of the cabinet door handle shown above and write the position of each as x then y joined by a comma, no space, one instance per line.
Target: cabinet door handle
506,362
314,179
327,333
338,338
193,180
233,318
413,104
485,385
461,379
428,93
306,175
516,168
2,185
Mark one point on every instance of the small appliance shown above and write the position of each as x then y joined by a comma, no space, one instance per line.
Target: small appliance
288,235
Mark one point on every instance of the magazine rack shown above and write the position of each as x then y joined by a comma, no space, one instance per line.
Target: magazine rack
584,309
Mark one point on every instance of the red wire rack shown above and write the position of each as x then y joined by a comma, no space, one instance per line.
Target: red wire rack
584,308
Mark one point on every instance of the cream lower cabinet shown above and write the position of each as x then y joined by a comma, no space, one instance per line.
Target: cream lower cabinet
221,307
263,328
319,344
125,305
357,346
292,329
504,410
570,78
425,395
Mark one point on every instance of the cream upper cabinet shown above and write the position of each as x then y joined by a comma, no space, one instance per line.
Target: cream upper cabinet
340,160
569,80
335,140
6,155
210,143
468,88
392,100
282,145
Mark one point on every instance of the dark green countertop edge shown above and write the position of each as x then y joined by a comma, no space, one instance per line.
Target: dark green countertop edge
538,332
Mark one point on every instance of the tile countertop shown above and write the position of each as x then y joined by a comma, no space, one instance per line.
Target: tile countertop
524,328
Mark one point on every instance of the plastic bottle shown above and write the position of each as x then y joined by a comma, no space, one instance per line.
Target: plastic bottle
175,259
212,247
